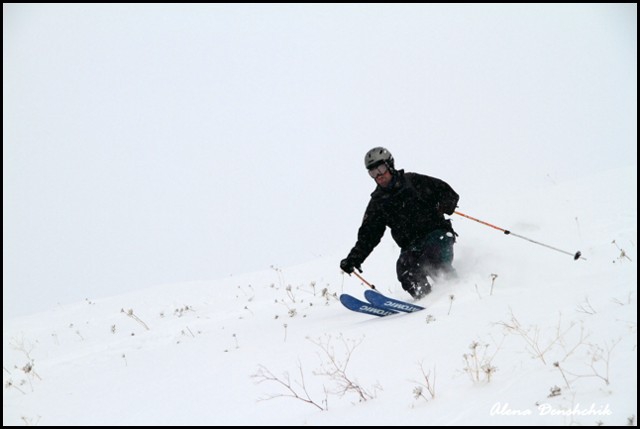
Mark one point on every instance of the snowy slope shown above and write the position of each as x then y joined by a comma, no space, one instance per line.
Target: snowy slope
194,353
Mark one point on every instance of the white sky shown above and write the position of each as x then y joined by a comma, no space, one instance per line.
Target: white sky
147,144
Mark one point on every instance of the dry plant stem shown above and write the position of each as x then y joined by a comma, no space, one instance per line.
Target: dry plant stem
428,382
493,280
533,339
598,354
134,317
264,374
336,370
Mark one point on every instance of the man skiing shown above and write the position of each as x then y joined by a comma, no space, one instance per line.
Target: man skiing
413,207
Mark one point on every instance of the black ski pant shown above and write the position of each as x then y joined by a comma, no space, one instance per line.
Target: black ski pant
430,256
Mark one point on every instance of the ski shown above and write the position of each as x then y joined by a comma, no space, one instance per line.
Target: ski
354,304
379,300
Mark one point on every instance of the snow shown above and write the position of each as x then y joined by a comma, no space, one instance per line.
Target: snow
198,363
181,181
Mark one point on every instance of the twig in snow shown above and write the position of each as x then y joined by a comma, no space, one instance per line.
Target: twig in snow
263,374
429,384
451,298
493,280
134,317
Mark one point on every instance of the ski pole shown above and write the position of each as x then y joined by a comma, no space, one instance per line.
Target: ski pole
576,256
365,282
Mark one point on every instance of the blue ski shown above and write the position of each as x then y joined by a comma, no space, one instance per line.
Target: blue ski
381,301
355,304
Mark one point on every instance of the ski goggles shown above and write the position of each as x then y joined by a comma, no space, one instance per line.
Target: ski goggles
378,171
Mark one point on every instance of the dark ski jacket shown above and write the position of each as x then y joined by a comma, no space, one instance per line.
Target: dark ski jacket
412,208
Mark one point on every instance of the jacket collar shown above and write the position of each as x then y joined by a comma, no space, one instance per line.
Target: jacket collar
396,183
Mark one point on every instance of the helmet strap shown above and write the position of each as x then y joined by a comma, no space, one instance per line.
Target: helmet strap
392,170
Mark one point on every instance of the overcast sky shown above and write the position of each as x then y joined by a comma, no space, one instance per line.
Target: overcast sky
149,144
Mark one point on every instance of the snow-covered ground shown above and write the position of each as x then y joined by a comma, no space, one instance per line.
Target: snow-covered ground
525,336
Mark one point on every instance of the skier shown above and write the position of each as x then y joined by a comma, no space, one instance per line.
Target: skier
413,207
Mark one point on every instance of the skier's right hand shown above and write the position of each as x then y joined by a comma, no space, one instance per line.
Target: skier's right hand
348,265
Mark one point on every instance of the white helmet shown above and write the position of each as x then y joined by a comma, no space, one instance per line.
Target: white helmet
377,156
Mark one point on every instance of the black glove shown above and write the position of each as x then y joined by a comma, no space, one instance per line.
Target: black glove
348,265
445,208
